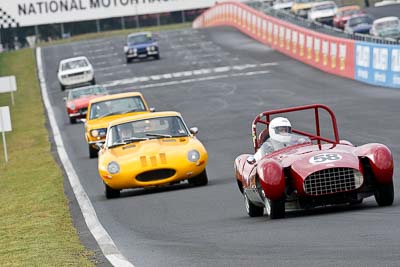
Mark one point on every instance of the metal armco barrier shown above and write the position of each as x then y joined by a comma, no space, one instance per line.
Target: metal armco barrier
372,63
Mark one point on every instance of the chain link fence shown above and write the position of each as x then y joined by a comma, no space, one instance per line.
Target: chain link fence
267,9
16,38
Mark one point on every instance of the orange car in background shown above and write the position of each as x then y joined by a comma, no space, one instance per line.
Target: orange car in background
343,14
103,110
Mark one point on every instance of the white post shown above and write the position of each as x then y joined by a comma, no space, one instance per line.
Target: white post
5,146
12,88
4,137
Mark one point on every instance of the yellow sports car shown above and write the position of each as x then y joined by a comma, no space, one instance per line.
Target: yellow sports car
102,110
150,150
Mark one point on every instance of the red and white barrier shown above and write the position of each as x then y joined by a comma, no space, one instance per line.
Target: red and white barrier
327,53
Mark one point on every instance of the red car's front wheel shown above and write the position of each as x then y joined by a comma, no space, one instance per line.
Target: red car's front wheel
275,208
384,194
252,210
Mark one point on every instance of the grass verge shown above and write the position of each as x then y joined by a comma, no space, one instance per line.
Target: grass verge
35,225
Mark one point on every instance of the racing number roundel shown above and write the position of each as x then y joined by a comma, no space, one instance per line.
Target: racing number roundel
325,158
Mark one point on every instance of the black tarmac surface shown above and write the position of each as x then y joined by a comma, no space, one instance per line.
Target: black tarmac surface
208,226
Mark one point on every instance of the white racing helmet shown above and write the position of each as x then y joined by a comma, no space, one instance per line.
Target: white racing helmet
280,130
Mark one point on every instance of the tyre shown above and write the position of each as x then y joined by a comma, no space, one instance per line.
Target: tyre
157,56
111,193
252,210
128,60
199,180
275,208
62,87
384,194
72,120
92,152
93,82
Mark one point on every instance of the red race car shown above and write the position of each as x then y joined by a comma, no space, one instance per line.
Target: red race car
293,169
77,100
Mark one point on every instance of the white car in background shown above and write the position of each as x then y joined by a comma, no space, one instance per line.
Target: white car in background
75,71
282,5
386,27
323,12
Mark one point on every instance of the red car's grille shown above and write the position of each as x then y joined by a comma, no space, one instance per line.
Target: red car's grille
155,175
330,181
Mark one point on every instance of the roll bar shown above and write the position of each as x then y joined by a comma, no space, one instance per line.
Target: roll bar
317,136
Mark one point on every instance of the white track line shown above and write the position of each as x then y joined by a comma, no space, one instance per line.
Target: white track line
104,240
189,73
201,79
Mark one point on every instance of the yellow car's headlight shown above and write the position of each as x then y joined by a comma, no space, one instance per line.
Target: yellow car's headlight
94,133
113,167
99,132
193,155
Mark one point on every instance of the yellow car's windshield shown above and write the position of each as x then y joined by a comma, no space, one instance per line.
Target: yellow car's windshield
116,106
151,128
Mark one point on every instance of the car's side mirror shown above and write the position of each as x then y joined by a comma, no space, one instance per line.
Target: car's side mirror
194,130
152,109
251,160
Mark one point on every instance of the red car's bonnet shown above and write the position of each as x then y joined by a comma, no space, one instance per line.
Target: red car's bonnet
82,101
308,159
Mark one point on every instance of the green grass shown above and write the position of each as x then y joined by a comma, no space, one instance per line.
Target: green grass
35,225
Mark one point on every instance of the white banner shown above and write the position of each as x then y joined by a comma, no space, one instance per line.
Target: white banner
5,119
22,13
8,84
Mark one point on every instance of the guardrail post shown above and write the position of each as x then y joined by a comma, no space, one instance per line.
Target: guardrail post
123,23
98,25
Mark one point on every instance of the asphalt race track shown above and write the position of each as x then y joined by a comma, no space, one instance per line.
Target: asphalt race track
220,80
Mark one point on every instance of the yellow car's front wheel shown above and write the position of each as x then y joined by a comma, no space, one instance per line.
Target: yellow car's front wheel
200,179
111,193
93,152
